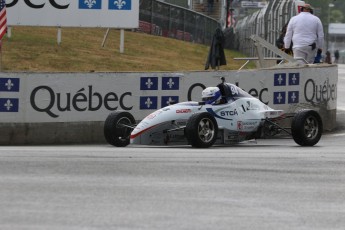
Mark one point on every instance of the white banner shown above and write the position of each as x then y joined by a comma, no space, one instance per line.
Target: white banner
250,4
74,13
75,97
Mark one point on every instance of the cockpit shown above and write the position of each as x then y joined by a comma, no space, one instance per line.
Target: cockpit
231,92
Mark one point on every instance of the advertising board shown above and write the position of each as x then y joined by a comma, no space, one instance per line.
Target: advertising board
76,97
74,13
251,4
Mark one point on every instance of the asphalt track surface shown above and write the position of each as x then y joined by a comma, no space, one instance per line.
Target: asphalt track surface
268,184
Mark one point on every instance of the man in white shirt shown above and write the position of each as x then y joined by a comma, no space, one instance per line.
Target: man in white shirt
305,31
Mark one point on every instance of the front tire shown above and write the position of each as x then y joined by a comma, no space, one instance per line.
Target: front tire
306,128
201,130
117,128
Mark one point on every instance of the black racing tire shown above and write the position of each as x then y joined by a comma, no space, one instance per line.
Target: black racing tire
114,132
306,127
201,130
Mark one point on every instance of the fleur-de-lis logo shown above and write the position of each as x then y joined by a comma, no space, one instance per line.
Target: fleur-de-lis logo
90,3
279,97
8,105
9,84
170,83
293,96
170,100
149,83
120,3
148,102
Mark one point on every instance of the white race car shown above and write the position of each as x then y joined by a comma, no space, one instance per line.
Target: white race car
226,115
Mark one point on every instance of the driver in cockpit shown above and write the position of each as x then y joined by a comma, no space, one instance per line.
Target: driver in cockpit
212,96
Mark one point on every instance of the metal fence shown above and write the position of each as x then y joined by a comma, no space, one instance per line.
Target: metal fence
164,19
266,23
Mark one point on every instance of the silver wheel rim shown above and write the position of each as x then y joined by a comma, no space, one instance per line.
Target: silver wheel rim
311,127
206,130
122,124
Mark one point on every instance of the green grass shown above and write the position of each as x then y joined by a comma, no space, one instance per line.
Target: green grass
35,49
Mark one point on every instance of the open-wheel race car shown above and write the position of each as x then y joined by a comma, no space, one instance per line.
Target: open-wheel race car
226,115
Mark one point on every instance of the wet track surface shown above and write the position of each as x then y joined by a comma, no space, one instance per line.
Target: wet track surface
271,184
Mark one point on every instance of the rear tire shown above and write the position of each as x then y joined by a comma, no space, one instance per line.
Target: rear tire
306,128
201,130
116,130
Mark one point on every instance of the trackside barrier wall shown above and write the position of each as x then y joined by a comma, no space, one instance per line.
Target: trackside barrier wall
63,108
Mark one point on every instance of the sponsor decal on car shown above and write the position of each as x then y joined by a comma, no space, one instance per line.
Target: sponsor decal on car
247,125
222,114
229,113
183,111
275,113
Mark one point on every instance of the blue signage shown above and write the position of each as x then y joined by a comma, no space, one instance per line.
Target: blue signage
288,80
280,79
9,104
90,4
293,78
293,97
120,4
279,97
148,102
170,83
167,100
149,83
9,84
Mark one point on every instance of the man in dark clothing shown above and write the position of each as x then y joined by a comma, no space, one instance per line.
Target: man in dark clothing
280,42
216,55
336,56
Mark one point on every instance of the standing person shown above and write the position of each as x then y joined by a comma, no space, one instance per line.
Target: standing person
280,42
336,56
306,33
328,58
318,57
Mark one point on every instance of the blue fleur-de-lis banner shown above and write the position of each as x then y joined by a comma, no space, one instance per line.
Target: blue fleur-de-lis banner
286,80
149,83
90,4
167,100
120,4
279,79
148,102
279,97
293,97
170,83
9,84
9,104
293,78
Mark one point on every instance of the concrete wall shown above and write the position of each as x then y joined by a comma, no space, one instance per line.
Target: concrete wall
70,108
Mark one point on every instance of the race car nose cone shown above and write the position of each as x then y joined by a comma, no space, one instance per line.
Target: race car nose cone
135,140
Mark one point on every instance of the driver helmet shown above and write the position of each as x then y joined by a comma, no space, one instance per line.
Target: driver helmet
211,95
